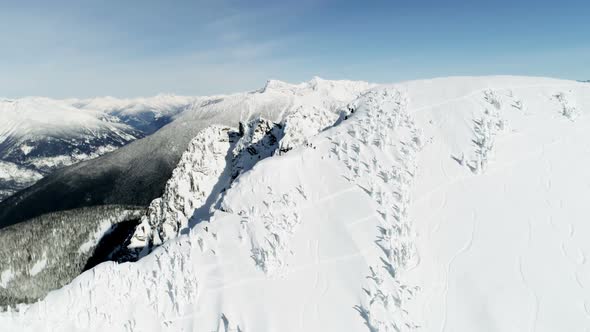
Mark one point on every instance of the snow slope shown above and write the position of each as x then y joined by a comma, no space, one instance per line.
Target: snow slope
453,204
39,135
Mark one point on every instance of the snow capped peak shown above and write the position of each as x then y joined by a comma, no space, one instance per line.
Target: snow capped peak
277,86
312,84
40,114
316,79
160,102
316,84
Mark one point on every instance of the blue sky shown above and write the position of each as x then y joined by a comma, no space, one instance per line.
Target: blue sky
138,48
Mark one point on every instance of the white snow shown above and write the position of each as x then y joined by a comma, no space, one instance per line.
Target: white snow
38,266
455,204
6,277
35,116
16,173
102,229
66,160
26,149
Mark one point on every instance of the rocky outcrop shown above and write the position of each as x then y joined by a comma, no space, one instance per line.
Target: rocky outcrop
192,183
215,158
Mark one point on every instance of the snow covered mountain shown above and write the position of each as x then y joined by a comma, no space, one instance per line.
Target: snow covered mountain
454,204
40,135
81,184
137,173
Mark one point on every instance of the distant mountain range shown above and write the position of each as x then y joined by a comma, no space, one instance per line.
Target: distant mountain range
40,135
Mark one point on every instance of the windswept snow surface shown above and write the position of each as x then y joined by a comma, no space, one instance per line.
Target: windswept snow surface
454,204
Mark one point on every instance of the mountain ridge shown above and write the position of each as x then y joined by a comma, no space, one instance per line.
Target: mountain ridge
136,173
433,204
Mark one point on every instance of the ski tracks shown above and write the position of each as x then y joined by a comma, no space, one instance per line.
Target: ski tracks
466,247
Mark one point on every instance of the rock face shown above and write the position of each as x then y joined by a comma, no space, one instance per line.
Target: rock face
259,139
215,157
192,184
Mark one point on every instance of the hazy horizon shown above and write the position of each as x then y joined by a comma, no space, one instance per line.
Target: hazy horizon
64,49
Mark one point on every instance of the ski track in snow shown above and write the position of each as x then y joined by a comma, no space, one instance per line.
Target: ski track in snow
535,311
466,247
498,168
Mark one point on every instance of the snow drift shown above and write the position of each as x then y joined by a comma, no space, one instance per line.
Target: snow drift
452,204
